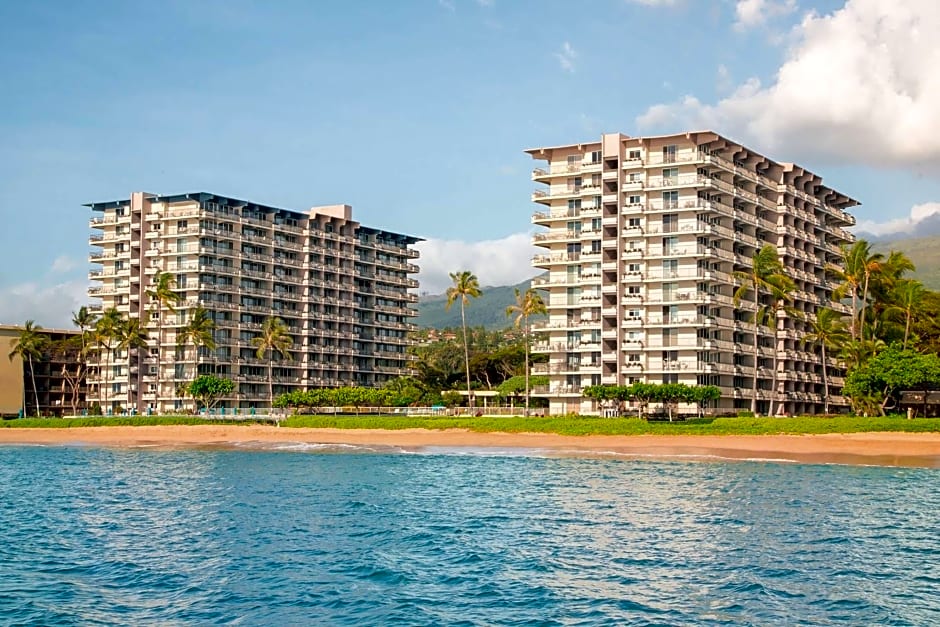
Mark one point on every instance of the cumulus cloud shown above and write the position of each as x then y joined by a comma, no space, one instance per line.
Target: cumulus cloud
566,57
48,305
495,262
900,226
753,13
63,264
856,86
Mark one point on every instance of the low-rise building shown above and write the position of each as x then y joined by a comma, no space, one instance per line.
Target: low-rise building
60,381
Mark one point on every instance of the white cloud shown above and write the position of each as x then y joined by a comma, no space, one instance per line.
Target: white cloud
723,81
566,57
495,262
63,264
753,13
898,226
655,3
48,305
856,86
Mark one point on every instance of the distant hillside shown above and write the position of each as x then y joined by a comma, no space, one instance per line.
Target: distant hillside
923,251
489,310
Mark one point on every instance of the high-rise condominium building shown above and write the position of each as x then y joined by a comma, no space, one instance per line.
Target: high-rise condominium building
644,237
341,288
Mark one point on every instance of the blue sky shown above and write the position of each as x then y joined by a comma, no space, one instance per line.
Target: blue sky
417,113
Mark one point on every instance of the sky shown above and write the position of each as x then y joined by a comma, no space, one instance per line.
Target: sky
417,112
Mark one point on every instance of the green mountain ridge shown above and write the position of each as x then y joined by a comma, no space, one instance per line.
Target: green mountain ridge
489,310
923,251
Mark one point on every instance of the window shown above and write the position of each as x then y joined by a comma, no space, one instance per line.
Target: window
671,200
633,290
670,245
670,175
669,153
633,155
633,313
635,177
633,357
633,223
595,156
635,244
633,268
633,200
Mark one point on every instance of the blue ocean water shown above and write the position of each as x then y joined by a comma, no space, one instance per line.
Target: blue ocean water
344,537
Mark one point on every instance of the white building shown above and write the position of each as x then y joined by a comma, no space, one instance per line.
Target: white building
643,235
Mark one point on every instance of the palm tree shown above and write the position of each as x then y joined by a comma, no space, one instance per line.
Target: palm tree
275,338
759,278
907,296
28,345
852,275
162,296
527,304
782,288
871,264
106,333
198,330
828,332
84,319
465,287
130,336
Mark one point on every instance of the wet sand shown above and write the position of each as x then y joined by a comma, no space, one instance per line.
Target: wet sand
885,449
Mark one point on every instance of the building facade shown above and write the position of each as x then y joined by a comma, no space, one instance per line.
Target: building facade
643,236
60,377
342,289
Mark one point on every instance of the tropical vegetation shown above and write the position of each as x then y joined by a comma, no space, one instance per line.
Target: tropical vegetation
465,287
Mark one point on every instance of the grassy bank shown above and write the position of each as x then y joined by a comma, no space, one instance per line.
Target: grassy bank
577,425
111,421
564,425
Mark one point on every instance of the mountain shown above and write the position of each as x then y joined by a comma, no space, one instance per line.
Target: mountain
489,310
923,251
928,226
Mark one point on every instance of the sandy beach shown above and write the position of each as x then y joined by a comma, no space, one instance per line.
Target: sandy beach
894,449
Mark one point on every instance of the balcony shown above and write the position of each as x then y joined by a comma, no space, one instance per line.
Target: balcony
557,258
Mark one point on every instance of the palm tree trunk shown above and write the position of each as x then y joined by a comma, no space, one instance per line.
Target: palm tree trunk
156,394
825,381
32,375
271,383
526,365
855,314
774,396
104,391
907,329
754,378
466,353
861,326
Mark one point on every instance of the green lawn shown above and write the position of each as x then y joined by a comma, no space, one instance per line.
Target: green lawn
566,425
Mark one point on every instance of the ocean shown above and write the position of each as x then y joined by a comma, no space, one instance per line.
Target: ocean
326,535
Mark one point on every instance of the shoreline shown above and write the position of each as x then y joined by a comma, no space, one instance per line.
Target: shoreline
878,448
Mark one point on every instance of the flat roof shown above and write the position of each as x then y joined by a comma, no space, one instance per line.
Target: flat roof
846,200
19,327
236,202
